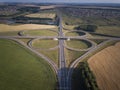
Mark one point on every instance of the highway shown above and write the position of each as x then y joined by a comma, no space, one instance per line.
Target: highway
63,85
59,37
76,62
63,73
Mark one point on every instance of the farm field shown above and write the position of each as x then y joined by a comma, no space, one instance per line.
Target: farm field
20,69
47,7
109,30
105,65
5,27
40,33
9,33
42,15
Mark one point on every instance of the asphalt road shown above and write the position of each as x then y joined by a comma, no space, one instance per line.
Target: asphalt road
63,73
63,85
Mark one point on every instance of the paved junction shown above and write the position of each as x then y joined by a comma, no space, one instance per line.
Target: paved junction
63,72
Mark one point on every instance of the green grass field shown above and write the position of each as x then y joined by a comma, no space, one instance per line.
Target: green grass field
75,34
109,30
44,44
42,15
22,70
98,41
40,33
52,54
72,55
78,44
19,27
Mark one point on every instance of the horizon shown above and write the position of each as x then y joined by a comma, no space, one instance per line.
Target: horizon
62,1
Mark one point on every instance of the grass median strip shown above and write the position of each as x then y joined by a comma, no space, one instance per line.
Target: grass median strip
71,55
52,54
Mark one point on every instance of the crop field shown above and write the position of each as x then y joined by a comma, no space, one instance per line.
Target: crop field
72,34
44,44
5,27
109,30
22,70
71,55
42,15
105,65
40,33
78,44
47,7
9,33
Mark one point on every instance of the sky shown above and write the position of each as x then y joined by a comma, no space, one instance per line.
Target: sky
71,1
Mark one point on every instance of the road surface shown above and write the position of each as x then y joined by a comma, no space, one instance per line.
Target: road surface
63,73
63,85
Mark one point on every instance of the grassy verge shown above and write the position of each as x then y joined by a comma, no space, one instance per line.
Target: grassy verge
78,44
83,78
72,34
44,44
40,33
52,54
72,55
42,15
98,41
25,40
22,70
